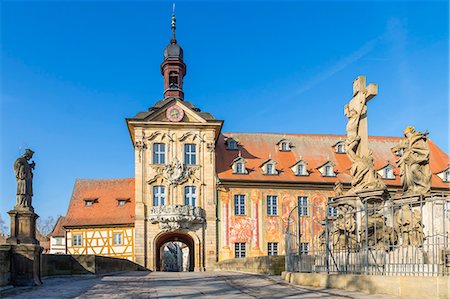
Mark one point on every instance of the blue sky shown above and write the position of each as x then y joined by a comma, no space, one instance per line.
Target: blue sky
71,72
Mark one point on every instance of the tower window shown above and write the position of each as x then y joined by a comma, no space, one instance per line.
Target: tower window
189,196
159,153
159,195
173,80
190,154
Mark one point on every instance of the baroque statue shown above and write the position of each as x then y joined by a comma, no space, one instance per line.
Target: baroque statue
177,173
414,162
24,177
408,225
357,145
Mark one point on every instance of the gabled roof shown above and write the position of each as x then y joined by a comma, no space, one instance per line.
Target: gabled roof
106,211
316,150
58,229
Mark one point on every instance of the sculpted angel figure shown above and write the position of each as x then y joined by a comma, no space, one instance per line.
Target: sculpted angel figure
414,160
24,177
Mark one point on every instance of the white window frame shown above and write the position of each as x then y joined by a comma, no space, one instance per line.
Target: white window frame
388,173
272,248
446,176
303,205
240,250
190,153
271,171
331,211
232,144
77,240
159,195
304,248
239,167
190,195
239,204
88,203
159,153
272,205
59,240
340,148
328,170
117,239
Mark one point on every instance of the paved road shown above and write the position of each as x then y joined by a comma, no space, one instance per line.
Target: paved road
175,285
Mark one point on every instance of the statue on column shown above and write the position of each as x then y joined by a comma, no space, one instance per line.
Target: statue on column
24,177
414,162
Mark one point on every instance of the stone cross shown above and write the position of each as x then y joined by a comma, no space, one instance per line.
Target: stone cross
361,95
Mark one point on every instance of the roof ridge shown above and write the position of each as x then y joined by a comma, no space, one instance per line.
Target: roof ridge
308,134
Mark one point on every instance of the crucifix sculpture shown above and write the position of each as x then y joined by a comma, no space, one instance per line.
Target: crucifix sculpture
357,143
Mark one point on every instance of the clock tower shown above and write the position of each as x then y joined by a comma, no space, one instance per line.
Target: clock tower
173,68
175,174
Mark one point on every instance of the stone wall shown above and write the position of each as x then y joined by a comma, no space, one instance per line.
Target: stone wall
259,264
405,286
5,265
64,264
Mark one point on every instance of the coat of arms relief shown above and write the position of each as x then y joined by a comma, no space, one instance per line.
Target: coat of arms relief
175,173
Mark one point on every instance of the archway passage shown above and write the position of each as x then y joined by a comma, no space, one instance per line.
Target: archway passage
166,238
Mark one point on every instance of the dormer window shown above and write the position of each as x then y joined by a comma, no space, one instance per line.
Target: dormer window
299,168
88,202
444,175
327,169
339,147
284,145
232,144
122,201
387,172
238,165
269,167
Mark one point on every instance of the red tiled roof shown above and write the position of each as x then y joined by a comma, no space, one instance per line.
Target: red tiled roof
106,210
58,229
315,150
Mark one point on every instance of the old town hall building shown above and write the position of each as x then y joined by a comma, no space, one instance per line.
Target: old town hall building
222,195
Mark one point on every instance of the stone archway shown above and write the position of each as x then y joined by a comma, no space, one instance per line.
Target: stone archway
174,237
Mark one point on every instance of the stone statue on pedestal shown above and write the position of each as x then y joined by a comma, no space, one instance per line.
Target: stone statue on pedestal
24,177
414,162
357,142
24,248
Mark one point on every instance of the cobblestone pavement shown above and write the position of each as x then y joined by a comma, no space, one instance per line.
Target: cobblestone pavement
175,285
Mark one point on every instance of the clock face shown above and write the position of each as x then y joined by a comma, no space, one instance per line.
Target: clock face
175,113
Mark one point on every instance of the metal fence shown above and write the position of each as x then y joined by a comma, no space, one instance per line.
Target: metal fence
400,237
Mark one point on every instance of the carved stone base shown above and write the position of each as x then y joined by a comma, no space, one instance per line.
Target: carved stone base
23,226
25,264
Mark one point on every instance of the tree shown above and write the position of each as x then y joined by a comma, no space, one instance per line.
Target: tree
45,225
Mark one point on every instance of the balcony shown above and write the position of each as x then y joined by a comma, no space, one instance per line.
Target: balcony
174,217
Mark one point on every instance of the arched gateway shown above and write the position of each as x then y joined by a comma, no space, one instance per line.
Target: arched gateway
163,239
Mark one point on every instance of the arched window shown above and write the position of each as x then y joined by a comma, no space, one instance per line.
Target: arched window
173,80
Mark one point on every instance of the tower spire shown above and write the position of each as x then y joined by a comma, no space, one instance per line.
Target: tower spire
174,26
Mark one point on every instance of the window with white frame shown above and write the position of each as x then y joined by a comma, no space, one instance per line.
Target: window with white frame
269,168
447,176
232,144
159,153
284,146
239,204
239,167
301,169
340,148
303,206
304,248
77,240
88,203
239,250
190,154
59,240
159,195
328,170
117,239
272,207
190,197
388,172
332,211
272,248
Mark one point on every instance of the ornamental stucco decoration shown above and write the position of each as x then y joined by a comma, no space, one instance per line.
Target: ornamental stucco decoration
177,173
175,217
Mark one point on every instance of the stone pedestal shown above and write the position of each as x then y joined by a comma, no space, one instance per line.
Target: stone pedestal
24,248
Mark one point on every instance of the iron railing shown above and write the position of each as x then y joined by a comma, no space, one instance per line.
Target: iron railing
397,237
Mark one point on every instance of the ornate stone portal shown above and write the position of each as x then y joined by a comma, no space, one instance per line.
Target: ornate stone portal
171,218
24,247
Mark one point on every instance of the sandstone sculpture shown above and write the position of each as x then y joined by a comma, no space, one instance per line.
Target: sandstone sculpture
24,177
175,217
414,160
408,226
357,145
